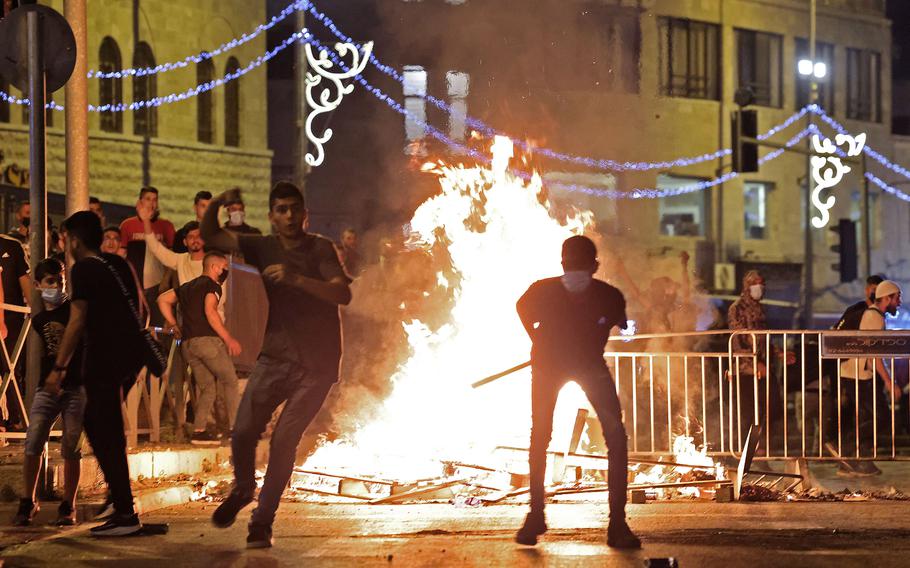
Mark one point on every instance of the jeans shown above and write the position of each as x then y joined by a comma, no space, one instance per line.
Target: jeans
45,409
272,382
104,428
214,374
601,392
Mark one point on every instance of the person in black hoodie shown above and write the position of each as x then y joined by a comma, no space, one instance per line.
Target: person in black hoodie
569,319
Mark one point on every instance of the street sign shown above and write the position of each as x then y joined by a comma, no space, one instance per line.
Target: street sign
870,344
724,276
58,46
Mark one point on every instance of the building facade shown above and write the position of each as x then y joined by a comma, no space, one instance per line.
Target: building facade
213,141
629,80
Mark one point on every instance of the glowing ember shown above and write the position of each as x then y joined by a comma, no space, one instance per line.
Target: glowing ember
499,235
684,452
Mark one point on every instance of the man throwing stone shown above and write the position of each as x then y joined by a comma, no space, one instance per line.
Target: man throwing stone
300,356
569,319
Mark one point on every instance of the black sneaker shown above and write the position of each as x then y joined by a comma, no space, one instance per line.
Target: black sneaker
66,516
535,525
27,511
204,438
118,525
259,536
226,513
106,510
619,535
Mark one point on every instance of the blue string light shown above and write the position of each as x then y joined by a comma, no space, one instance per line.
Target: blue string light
204,55
177,97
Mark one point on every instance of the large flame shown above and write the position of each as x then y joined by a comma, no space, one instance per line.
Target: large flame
500,236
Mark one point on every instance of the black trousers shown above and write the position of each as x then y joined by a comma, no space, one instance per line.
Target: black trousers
770,412
601,392
104,428
859,415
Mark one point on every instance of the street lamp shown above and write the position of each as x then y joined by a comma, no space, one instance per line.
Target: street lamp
809,68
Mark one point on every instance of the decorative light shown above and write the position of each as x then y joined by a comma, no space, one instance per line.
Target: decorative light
804,67
828,171
820,70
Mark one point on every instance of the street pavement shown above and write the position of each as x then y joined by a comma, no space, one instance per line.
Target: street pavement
698,534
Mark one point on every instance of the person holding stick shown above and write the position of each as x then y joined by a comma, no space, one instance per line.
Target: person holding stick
569,319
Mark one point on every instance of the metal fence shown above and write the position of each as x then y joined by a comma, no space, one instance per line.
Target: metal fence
799,386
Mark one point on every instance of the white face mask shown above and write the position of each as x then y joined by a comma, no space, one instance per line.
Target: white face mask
757,291
53,296
236,218
576,281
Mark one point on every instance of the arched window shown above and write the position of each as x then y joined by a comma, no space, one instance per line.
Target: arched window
205,112
110,91
145,87
232,105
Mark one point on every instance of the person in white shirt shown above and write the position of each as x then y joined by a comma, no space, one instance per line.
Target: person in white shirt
860,375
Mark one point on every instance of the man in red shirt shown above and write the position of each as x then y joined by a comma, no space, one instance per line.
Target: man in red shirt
148,267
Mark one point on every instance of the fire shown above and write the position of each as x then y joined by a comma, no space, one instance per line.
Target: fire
684,452
500,236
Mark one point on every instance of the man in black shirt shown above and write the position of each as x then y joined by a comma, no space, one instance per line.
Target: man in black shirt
104,315
569,321
50,278
300,356
854,314
207,344
17,289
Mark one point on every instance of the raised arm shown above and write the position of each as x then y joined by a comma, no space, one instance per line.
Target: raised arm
165,256
212,232
686,281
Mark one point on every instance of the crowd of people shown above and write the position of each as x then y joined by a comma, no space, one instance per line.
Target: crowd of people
145,275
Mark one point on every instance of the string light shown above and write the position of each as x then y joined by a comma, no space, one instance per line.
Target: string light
204,55
887,188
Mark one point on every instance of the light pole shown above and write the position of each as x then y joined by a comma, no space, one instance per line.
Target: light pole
812,70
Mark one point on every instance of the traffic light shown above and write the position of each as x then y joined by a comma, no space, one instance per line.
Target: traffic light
744,123
846,250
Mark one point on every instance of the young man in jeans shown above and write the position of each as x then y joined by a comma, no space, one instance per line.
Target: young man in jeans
207,344
301,353
569,319
50,279
103,313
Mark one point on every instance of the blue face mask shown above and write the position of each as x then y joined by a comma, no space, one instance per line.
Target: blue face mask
53,296
576,281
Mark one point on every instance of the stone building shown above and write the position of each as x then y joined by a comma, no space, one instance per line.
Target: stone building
212,141
637,80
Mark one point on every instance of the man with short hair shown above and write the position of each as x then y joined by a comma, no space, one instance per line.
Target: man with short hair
23,218
200,204
111,243
148,267
569,319
50,279
859,375
17,291
854,314
207,344
236,222
301,353
348,251
103,313
94,205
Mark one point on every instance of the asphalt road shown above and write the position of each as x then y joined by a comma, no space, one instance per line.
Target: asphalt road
698,534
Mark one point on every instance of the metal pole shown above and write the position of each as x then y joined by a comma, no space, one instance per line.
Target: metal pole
808,259
867,224
76,91
301,168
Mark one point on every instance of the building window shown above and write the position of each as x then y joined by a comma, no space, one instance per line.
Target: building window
864,89
110,90
4,104
684,215
755,209
415,91
458,86
232,104
145,87
759,66
205,112
689,59
875,215
824,52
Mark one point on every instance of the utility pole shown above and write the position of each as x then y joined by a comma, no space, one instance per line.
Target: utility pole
76,90
808,261
301,168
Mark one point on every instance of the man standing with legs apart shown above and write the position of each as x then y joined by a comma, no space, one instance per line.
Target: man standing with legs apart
569,320
301,353
103,314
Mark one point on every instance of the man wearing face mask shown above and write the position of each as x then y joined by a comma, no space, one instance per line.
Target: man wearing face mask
207,344
23,217
236,222
747,313
569,319
859,374
50,279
